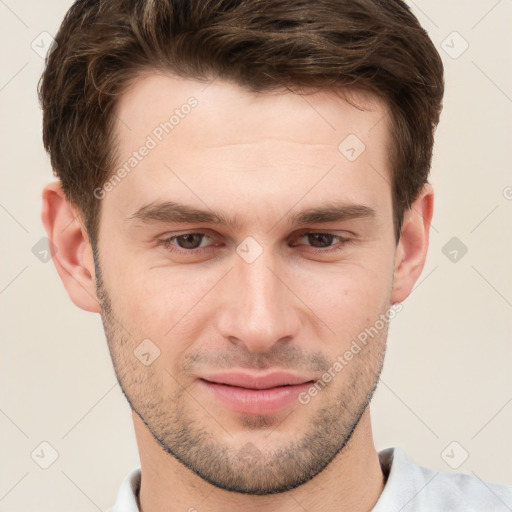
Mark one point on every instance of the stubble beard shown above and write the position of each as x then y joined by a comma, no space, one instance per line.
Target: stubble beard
246,468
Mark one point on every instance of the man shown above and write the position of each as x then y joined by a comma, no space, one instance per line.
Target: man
243,197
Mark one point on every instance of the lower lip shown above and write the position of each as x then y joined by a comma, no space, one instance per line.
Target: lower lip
256,401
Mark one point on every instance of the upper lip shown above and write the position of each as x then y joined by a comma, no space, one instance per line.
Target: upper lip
251,381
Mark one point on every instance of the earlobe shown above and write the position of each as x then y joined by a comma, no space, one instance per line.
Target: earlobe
73,256
413,245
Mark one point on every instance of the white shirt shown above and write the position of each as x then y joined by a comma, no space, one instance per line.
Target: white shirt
409,488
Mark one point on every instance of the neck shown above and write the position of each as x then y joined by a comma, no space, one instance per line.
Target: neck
352,481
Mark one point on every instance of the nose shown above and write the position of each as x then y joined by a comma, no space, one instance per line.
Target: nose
258,309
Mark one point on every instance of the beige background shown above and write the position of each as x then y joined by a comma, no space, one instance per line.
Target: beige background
447,376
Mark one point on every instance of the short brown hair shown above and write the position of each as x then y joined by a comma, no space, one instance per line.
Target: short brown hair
103,45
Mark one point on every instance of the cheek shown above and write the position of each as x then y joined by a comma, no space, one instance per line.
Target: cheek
349,298
166,305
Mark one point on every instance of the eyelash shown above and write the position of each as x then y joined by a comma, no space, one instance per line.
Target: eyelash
167,243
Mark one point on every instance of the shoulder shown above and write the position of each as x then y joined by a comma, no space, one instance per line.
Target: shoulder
412,488
127,500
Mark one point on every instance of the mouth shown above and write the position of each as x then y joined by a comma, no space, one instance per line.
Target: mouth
255,394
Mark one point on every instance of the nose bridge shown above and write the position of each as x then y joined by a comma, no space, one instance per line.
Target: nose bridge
259,287
259,310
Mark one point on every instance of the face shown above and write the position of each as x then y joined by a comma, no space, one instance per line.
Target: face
222,324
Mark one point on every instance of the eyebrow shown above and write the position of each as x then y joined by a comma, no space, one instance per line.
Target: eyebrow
174,212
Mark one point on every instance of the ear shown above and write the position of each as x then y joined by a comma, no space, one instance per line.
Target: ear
412,247
73,257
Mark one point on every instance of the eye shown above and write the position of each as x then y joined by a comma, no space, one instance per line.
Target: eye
188,242
323,242
319,239
196,242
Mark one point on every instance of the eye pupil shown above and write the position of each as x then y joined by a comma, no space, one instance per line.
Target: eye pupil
190,238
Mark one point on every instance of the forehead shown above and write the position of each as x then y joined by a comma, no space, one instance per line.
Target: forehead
215,140
234,111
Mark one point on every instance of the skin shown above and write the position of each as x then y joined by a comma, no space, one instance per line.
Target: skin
261,158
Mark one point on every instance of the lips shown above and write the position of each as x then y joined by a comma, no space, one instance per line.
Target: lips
245,380
255,394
